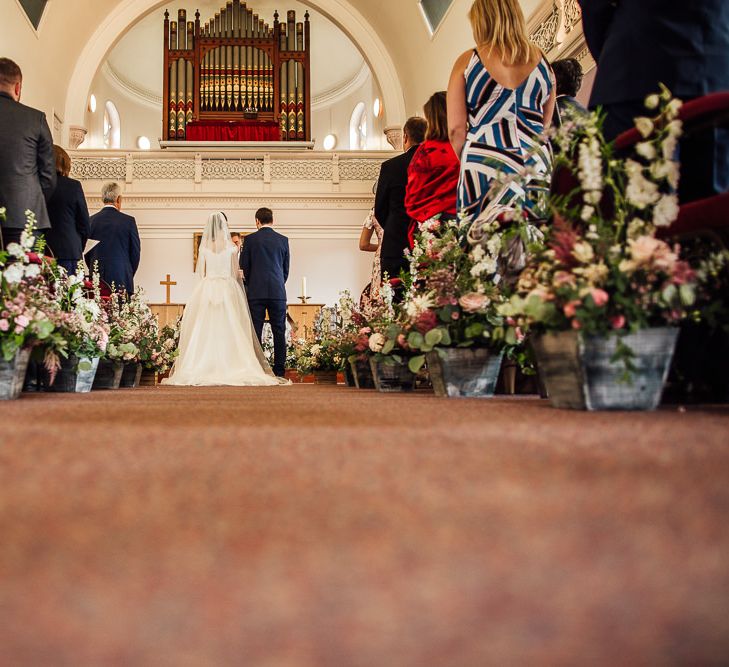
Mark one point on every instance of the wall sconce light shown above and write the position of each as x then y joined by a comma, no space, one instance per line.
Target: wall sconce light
330,142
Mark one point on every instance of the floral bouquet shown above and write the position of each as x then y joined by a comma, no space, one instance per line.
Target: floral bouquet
134,328
80,320
165,349
602,270
457,287
26,304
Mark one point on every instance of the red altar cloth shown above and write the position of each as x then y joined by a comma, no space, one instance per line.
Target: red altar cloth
233,130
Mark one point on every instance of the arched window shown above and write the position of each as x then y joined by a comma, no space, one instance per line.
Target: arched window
358,128
112,126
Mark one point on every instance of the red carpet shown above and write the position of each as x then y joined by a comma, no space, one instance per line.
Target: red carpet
321,526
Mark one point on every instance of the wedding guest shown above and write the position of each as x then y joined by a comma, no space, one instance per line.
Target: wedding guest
69,215
433,172
118,251
638,44
500,99
568,79
372,228
27,169
390,200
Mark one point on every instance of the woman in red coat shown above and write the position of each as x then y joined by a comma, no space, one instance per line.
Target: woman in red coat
434,170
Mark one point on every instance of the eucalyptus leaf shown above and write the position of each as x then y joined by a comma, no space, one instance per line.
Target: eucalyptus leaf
416,363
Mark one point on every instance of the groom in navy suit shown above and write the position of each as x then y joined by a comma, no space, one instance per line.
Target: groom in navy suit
265,265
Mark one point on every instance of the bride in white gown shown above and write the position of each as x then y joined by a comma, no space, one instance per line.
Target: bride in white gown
218,344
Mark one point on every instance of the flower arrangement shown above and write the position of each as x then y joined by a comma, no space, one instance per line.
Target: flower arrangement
134,328
165,349
81,323
602,269
25,301
457,273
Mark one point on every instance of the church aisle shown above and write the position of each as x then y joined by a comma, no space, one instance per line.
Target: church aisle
323,526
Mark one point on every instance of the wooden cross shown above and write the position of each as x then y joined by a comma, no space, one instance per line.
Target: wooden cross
168,283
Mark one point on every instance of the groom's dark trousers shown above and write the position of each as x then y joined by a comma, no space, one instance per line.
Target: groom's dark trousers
265,265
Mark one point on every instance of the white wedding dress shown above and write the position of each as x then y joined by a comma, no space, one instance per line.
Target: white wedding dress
218,344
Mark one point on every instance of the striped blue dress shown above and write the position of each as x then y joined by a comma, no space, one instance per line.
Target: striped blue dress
504,128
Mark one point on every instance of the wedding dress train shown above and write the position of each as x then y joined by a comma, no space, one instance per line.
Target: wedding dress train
218,344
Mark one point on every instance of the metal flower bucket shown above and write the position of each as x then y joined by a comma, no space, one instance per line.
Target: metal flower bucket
392,376
470,372
362,372
108,375
12,375
579,371
131,375
75,376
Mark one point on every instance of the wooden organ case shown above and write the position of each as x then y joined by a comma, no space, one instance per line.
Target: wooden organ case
237,68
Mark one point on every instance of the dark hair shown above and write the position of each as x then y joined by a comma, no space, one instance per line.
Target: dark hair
415,128
63,161
10,73
568,73
264,216
436,114
232,234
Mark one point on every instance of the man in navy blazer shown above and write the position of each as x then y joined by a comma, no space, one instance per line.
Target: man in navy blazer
683,44
119,247
265,265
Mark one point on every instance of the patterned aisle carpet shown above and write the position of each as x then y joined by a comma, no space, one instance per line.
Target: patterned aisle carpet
322,526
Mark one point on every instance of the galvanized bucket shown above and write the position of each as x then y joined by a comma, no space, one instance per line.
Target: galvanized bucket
362,372
391,377
131,375
579,372
12,375
108,375
464,372
75,376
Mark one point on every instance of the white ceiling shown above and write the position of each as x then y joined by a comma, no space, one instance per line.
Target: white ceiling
137,56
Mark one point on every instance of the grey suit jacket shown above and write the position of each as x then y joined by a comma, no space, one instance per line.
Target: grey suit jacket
27,166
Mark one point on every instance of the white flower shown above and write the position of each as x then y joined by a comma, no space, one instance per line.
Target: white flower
587,212
640,191
14,250
493,245
674,107
419,304
376,342
14,273
667,170
644,126
652,101
583,252
646,149
32,270
315,350
666,211
675,128
590,170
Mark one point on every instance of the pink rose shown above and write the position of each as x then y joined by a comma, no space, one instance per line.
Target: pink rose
576,324
617,322
4,325
570,308
22,321
600,297
473,302
455,315
365,330
519,334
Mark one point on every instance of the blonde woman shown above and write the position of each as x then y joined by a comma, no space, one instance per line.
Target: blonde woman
500,99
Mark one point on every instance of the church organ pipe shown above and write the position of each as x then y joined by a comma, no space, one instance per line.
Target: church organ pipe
182,29
181,111
237,63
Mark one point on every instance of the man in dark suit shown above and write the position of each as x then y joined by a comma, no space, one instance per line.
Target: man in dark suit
683,44
119,247
69,214
27,167
390,200
265,265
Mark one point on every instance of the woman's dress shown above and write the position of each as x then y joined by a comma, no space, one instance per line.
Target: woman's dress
218,345
376,281
504,136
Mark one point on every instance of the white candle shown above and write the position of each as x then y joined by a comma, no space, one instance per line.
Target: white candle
303,286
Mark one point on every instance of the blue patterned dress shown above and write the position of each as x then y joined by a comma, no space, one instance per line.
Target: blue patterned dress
504,127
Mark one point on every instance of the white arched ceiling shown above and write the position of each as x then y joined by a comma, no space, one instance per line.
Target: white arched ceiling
127,12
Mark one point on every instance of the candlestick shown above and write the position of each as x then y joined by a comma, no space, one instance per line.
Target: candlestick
303,286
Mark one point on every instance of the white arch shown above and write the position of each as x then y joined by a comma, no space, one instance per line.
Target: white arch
340,12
